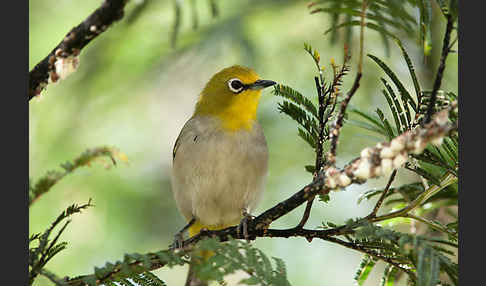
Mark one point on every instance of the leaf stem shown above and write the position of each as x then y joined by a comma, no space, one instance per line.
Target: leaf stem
448,180
383,195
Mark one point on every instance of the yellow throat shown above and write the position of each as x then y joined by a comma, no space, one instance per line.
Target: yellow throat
236,110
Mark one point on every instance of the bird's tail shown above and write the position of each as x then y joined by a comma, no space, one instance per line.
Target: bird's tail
194,229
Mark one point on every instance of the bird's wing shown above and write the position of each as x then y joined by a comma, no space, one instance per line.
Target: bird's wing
178,141
176,145
174,150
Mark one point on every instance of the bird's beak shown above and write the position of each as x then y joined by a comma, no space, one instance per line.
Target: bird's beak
261,83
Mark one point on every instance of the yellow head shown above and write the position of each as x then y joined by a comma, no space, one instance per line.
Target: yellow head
232,95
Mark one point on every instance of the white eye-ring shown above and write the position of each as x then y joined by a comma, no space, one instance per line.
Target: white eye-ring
235,85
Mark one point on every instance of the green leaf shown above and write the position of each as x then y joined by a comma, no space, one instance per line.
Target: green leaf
389,275
342,25
45,183
307,137
331,224
411,69
236,255
388,128
369,16
426,175
314,54
364,270
298,114
384,38
296,97
280,266
324,198
334,20
394,111
425,24
404,93
89,280
310,168
372,119
404,124
427,267
250,281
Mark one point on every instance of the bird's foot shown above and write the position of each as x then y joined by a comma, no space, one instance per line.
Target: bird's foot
243,226
179,237
178,240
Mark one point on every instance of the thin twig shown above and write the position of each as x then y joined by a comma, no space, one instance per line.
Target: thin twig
96,23
52,277
320,143
453,42
440,70
305,216
334,134
383,195
448,180
361,36
430,224
322,107
177,23
371,253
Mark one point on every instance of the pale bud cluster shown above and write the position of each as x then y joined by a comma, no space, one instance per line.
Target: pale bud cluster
335,178
385,157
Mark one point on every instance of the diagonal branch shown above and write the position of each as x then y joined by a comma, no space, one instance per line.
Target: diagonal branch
65,53
440,71
383,195
373,162
335,132
329,94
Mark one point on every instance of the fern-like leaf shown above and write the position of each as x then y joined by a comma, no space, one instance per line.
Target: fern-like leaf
45,183
298,114
364,269
403,91
236,255
293,95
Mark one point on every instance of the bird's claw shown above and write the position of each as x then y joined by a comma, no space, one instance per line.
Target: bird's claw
243,226
179,237
178,240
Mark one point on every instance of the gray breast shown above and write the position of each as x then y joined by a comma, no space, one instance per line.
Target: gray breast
217,174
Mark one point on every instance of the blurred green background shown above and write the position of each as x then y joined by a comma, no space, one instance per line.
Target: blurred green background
133,91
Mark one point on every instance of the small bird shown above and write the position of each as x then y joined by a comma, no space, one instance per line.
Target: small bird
220,158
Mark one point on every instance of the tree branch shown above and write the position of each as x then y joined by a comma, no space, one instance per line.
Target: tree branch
335,132
325,96
440,70
383,195
373,254
51,68
371,164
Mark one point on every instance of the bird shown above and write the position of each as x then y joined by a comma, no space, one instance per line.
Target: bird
220,158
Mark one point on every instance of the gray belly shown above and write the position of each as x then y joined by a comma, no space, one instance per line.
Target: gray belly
217,175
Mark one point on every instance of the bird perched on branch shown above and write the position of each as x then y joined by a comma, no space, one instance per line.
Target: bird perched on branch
220,157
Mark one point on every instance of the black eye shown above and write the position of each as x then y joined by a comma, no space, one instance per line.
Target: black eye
235,85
